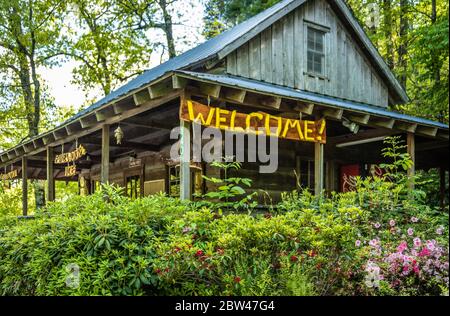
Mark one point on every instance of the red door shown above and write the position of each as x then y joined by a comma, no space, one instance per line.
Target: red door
347,172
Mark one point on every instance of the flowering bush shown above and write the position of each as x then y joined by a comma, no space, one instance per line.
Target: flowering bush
381,239
398,262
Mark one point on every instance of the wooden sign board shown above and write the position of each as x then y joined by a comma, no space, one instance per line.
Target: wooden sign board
70,171
135,162
300,130
10,175
71,156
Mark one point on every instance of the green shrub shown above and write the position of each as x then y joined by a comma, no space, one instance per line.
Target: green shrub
381,239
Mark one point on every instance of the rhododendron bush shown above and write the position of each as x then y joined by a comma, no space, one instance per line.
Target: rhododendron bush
347,244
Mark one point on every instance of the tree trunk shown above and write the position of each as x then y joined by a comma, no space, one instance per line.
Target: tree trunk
387,30
403,46
168,28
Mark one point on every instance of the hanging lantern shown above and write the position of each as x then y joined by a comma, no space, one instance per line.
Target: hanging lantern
118,134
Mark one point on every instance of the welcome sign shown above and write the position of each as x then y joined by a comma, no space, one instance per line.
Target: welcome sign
255,122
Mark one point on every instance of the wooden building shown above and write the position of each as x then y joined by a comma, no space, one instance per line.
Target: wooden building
299,60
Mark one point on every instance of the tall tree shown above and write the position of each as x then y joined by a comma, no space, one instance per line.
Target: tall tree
167,26
387,33
157,14
402,53
108,48
29,35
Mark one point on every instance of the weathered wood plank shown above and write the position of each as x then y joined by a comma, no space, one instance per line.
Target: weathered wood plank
160,89
235,95
306,108
277,53
333,113
288,51
179,82
360,119
299,49
255,58
141,97
266,55
208,89
231,63
427,131
242,61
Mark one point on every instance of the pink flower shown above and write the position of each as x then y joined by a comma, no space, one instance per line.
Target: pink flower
410,231
402,247
358,243
417,242
377,225
425,252
416,270
431,244
392,223
374,243
440,230
414,219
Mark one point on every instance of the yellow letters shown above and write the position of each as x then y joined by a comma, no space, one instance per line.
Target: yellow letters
248,119
268,130
220,119
293,124
308,131
200,115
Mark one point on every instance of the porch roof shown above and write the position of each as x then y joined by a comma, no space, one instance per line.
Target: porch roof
286,92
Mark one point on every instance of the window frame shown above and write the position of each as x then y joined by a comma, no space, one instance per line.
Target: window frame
324,75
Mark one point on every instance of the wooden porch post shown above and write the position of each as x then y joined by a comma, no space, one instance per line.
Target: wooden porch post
330,176
104,174
442,187
185,151
318,168
50,178
411,148
24,186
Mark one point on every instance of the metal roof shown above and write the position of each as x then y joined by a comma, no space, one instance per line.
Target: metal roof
286,92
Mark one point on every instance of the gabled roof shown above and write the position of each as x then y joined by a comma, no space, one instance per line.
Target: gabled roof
223,44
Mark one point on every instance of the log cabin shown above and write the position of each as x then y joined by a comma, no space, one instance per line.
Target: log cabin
305,60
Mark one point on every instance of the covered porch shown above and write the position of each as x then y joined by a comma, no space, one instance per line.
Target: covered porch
140,161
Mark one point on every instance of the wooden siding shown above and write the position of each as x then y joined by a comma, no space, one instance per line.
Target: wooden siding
278,55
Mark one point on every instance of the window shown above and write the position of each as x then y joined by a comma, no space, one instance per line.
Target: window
197,183
306,174
133,187
174,181
315,52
